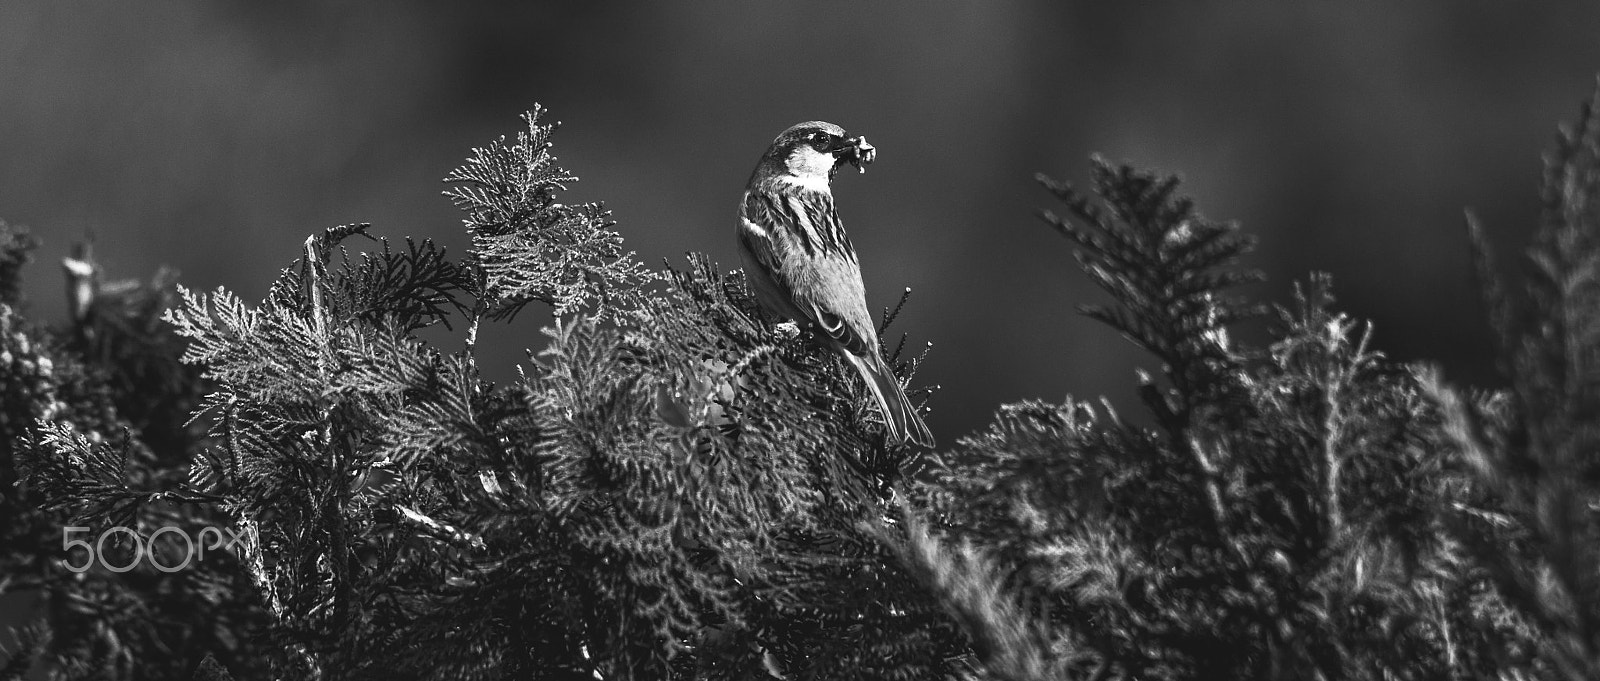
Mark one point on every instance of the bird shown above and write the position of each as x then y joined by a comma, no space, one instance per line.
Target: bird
801,264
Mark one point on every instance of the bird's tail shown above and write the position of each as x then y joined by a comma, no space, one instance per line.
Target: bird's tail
904,424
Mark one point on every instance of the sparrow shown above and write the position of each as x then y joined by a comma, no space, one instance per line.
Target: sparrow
802,266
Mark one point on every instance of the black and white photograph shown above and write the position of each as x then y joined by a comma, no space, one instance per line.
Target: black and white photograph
805,341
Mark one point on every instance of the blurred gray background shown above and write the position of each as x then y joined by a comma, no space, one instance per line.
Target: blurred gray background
1350,137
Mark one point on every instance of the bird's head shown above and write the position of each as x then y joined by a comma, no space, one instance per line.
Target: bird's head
815,149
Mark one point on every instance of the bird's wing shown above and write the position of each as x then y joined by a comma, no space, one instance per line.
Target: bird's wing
755,240
837,304
796,236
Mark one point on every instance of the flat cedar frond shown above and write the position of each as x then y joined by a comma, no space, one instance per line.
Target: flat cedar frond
528,247
268,353
501,186
1165,267
413,288
73,471
416,285
437,416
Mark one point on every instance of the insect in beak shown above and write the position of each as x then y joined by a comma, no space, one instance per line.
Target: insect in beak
857,152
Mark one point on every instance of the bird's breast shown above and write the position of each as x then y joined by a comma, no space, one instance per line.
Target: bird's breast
797,219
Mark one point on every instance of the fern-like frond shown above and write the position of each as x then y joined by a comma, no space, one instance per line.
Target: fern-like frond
1166,268
529,247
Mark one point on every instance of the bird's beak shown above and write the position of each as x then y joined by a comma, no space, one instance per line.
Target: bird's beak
857,152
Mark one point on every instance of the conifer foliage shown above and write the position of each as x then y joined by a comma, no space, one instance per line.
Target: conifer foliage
1281,521
92,435
1533,450
670,488
676,487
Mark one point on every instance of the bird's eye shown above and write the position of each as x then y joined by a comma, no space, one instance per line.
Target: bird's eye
819,137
